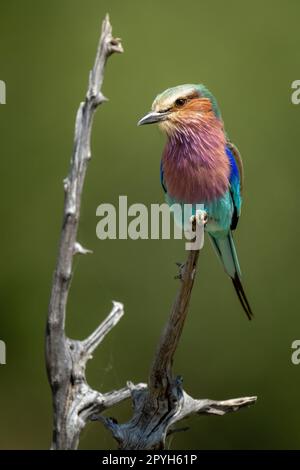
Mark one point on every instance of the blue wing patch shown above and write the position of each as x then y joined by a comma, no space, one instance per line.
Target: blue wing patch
235,193
234,171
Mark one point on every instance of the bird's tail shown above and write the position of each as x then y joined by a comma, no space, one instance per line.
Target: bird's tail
226,252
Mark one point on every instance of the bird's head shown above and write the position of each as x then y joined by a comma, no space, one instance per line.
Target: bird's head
180,106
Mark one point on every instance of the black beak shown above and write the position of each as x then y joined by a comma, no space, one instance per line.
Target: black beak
152,117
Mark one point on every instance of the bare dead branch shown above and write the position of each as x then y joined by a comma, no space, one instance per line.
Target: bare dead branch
161,372
164,403
74,402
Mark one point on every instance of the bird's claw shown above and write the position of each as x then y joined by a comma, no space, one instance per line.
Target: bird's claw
201,217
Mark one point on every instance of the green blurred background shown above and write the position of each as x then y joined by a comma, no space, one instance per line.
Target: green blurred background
248,55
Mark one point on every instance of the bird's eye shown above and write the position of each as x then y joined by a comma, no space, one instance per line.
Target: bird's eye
180,101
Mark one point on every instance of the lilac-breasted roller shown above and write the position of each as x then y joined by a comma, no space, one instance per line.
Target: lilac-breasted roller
201,166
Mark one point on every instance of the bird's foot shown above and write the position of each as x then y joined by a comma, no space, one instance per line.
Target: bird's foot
200,218
198,223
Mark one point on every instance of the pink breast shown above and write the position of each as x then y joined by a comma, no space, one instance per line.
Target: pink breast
196,171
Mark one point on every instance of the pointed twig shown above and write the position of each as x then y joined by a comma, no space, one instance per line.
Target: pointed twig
92,342
79,249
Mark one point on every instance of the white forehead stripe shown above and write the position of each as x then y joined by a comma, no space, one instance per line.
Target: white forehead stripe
166,99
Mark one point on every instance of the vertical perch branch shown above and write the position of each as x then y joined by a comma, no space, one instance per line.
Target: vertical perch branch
74,401
164,403
161,372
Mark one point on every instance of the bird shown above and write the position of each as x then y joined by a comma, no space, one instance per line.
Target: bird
200,165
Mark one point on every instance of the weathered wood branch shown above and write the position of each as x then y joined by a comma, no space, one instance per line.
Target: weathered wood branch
164,403
74,402
161,371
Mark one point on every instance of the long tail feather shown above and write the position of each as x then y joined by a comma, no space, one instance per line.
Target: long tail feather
226,252
242,297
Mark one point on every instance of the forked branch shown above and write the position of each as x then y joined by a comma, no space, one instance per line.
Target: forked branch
74,402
